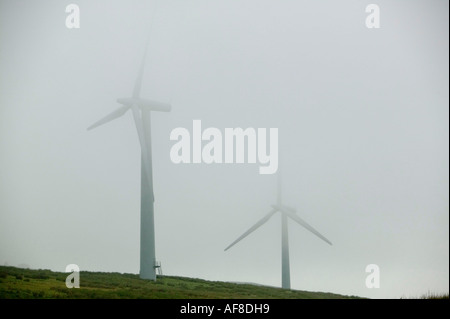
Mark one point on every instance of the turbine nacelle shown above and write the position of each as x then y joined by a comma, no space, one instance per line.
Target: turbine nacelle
284,208
149,105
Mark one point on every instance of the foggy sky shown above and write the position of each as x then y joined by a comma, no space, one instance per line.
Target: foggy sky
363,135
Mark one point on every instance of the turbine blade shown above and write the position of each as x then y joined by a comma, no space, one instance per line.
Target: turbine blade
117,113
138,121
138,83
139,127
294,217
279,187
253,228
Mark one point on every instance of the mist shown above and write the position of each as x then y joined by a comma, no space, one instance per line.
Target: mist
363,134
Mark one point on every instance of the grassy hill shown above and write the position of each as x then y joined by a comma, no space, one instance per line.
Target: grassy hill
27,283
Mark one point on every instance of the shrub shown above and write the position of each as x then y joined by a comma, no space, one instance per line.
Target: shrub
40,276
37,294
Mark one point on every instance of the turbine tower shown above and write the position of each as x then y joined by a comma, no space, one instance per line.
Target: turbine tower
285,213
141,109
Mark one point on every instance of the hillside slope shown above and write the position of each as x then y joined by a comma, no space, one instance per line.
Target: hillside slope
19,283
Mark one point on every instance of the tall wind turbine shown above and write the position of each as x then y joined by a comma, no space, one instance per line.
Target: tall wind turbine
141,109
285,213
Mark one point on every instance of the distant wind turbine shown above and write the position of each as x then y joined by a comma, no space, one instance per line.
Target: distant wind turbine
141,109
285,213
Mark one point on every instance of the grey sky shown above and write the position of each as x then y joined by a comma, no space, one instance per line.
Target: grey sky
363,133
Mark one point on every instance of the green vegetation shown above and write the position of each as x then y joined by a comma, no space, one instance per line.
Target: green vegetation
430,295
20,283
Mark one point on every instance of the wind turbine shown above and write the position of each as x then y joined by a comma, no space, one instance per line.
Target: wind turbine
285,213
141,109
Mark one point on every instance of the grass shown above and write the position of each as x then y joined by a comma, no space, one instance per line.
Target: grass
430,295
17,283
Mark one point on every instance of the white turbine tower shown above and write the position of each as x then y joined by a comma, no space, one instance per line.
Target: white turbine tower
141,109
285,213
